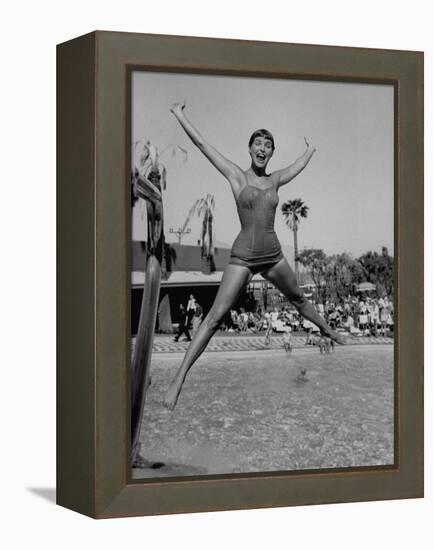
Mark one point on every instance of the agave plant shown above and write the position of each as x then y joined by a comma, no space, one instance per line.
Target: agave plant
293,211
146,163
146,159
149,180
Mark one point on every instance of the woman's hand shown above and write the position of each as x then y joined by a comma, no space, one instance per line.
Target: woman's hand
309,146
178,107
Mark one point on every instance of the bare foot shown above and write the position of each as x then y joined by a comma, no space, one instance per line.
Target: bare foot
172,394
338,338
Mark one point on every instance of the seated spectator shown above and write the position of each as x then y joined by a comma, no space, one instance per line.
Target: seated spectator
235,320
384,316
363,320
349,323
244,319
333,315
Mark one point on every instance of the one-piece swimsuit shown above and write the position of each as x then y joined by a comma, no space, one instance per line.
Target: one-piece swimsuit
257,246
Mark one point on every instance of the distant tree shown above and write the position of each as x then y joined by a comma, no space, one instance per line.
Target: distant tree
342,274
293,211
315,262
378,269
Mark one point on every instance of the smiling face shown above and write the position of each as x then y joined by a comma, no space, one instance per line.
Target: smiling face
261,148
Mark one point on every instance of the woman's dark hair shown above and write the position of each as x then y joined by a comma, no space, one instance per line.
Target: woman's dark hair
261,133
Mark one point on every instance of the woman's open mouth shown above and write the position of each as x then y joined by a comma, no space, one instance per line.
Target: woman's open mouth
261,157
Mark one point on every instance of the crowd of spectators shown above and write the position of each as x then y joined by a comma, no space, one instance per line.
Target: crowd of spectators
356,315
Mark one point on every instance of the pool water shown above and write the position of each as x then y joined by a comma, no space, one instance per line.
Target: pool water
277,411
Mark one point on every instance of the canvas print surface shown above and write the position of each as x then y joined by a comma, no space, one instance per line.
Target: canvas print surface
262,275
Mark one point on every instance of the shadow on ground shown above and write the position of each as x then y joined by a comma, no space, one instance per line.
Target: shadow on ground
47,493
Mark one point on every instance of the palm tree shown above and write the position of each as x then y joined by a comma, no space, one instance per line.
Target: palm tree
293,211
204,208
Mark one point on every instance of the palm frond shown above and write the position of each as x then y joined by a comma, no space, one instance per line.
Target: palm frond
293,211
190,214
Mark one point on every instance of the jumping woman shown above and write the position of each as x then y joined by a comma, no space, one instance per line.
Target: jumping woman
256,249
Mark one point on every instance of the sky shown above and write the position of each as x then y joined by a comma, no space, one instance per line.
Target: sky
348,185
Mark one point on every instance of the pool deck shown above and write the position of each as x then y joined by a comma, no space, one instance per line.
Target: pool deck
252,342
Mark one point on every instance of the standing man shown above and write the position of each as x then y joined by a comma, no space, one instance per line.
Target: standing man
183,324
191,310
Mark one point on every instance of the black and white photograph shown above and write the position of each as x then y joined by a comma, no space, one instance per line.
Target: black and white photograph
119,242
262,275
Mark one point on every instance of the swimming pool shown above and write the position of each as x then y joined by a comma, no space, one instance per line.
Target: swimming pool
241,412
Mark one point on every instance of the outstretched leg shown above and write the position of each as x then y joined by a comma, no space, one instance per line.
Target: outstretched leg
283,278
235,279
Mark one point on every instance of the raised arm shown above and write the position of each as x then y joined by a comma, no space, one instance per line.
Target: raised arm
290,172
230,170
